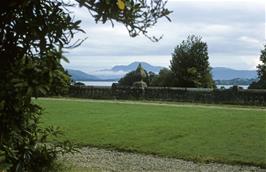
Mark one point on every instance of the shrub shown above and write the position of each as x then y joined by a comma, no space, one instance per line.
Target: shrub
140,84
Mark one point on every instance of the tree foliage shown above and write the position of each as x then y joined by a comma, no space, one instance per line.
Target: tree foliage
60,82
190,64
165,78
33,36
261,83
137,75
137,15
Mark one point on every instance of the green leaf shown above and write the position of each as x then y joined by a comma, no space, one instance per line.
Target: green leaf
5,166
65,59
77,22
20,84
2,105
42,90
29,91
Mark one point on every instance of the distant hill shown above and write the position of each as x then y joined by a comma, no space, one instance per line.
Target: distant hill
78,75
222,73
134,65
219,73
236,81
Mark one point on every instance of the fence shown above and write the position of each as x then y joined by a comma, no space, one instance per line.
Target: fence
195,95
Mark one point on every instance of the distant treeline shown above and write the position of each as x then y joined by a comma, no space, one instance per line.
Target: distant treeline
236,81
190,68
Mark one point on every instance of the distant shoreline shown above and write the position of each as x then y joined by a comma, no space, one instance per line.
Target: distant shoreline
98,82
110,82
105,80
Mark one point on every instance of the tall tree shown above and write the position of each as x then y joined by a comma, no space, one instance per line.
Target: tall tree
33,36
60,82
261,83
165,78
190,64
130,78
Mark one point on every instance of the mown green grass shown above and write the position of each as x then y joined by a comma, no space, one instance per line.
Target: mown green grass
200,133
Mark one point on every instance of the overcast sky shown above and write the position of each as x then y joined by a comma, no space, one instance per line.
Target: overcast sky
234,31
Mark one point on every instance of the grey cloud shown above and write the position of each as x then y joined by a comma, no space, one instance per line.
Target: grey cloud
218,11
233,30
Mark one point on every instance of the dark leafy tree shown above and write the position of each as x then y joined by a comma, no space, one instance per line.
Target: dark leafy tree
60,82
261,83
136,15
33,36
190,64
151,77
130,78
165,78
141,74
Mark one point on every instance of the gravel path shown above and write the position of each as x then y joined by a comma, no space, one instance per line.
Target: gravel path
114,161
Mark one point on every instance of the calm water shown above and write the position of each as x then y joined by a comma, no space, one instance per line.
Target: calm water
98,83
228,86
109,83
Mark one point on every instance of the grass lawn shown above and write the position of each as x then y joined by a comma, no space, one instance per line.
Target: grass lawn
192,132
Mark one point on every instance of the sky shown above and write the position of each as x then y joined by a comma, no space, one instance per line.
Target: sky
234,31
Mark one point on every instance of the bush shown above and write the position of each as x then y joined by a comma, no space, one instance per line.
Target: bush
140,84
190,64
134,76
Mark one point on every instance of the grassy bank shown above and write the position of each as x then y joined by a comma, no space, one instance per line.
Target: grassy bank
201,133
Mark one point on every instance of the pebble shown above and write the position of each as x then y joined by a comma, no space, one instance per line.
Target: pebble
115,161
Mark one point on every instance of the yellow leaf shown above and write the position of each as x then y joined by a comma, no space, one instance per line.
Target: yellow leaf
121,4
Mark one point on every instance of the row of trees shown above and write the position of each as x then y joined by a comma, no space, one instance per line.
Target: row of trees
189,68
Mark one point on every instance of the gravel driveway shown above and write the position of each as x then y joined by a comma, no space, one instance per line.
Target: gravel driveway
107,160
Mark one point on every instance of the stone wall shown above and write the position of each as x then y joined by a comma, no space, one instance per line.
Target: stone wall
195,95
99,92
